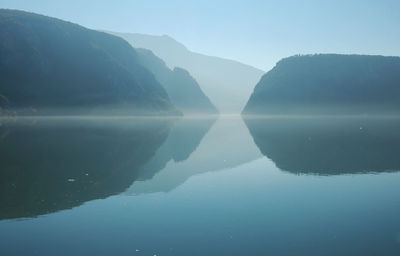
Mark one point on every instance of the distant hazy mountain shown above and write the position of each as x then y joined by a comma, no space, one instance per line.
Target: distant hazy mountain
183,90
227,83
46,63
329,83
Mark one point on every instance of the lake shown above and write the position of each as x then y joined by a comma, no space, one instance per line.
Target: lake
200,186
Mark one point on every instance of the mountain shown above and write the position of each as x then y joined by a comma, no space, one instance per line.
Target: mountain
227,83
183,90
46,63
183,139
329,146
327,84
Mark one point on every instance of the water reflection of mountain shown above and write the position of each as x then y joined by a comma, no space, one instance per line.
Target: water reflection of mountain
329,146
184,138
226,145
55,165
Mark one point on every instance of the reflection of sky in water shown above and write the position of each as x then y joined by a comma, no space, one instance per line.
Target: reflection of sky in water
250,207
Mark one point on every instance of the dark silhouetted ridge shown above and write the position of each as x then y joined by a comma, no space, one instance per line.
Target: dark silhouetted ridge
49,63
329,84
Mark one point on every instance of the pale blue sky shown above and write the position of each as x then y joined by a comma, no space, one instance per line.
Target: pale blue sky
256,32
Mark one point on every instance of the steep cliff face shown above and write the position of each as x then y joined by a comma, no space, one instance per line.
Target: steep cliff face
183,90
329,83
48,63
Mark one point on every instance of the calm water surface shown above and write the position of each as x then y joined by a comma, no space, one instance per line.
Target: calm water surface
227,186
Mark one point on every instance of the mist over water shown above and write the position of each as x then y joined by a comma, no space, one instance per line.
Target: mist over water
149,141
